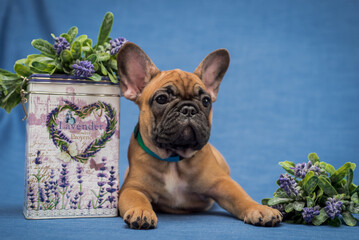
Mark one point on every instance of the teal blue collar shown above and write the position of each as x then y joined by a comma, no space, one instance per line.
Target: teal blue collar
147,150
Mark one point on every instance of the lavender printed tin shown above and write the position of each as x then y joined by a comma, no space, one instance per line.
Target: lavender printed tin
72,148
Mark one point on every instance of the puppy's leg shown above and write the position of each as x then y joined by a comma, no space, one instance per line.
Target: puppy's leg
136,210
231,196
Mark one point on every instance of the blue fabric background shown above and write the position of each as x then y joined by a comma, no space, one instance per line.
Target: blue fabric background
292,88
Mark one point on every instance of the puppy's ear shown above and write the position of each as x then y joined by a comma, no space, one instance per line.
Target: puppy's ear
135,70
212,69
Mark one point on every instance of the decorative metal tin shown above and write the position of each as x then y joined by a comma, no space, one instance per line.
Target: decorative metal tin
72,148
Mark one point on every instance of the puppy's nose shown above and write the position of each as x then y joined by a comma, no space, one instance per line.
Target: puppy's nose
188,110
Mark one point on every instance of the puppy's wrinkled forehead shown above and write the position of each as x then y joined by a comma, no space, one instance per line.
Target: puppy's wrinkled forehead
183,84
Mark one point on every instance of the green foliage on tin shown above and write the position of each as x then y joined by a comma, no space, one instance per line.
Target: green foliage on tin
69,54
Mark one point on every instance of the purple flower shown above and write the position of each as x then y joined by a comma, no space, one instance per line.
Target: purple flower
61,44
101,175
41,195
38,159
63,180
301,169
89,205
109,109
101,184
88,147
79,171
52,134
309,213
111,183
83,68
289,185
333,207
116,44
71,104
30,194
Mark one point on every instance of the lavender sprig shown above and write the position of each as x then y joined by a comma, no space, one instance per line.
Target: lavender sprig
309,212
83,69
63,183
288,184
116,44
301,169
333,207
61,44
38,158
111,189
79,180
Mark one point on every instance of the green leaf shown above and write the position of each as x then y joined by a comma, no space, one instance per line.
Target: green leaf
103,69
7,76
76,50
31,57
113,64
21,61
95,77
325,185
321,218
310,182
92,58
66,56
66,36
105,28
340,174
40,67
350,175
265,201
330,169
87,43
313,157
353,165
81,38
289,207
13,98
112,76
349,219
354,198
319,193
72,33
22,70
276,200
280,193
287,165
44,47
103,56
298,206
335,222
310,202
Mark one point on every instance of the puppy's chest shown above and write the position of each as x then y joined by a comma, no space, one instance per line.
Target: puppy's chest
176,186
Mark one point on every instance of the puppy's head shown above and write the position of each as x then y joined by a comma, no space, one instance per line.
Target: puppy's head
175,106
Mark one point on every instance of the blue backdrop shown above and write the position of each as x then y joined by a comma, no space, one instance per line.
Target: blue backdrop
292,88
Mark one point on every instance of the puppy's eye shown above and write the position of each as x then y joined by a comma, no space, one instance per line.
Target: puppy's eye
162,99
206,101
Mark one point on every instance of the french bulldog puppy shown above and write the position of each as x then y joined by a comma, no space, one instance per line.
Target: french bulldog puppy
172,167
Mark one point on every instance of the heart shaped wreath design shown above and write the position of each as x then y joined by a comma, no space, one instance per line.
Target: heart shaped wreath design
61,141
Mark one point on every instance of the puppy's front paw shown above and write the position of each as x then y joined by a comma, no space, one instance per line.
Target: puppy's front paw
260,215
139,218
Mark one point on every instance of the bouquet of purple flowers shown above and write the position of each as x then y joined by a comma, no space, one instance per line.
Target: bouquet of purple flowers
316,193
69,54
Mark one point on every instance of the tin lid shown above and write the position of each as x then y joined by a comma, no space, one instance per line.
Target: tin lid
71,85
63,78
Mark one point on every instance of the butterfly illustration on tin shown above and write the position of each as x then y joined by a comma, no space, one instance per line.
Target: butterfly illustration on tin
69,153
96,166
